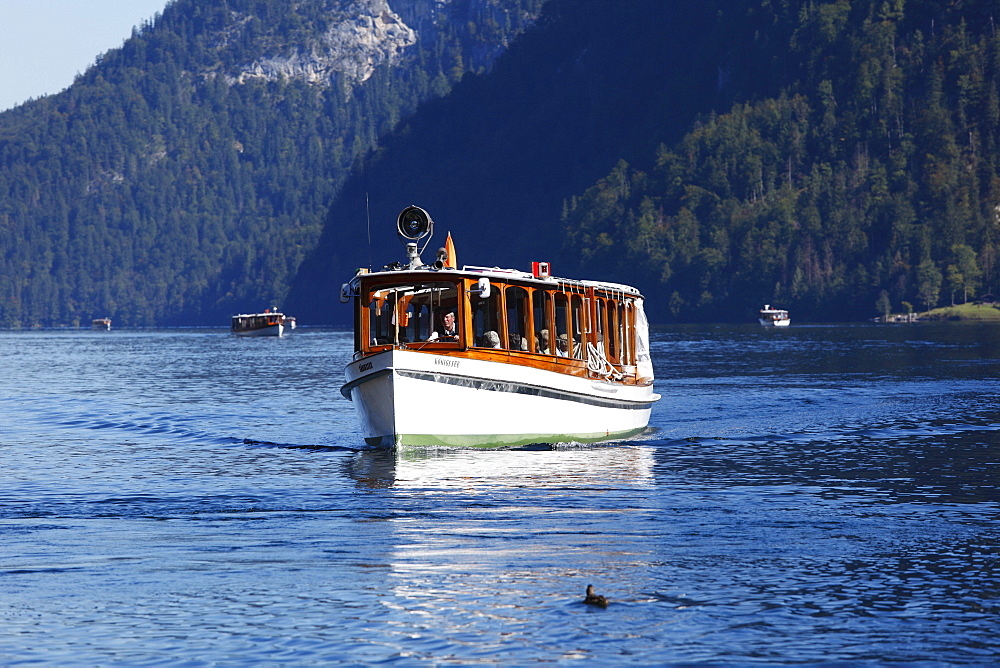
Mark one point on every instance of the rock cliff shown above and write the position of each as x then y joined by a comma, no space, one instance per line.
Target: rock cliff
362,35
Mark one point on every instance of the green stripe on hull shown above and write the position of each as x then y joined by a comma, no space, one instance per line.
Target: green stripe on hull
483,441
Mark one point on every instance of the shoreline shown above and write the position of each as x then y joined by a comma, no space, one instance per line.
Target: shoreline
968,312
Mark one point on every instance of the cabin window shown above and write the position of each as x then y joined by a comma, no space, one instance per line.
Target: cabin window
518,315
541,309
602,327
612,330
409,313
417,321
380,324
487,330
358,335
562,320
579,325
628,333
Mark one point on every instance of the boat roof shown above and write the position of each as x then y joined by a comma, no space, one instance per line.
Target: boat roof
473,271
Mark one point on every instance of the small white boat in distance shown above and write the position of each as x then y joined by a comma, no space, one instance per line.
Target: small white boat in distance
488,358
268,323
101,323
774,317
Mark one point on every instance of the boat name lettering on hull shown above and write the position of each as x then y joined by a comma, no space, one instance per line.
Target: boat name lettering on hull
367,366
446,362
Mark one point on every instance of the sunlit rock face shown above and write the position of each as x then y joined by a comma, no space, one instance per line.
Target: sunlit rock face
363,35
356,37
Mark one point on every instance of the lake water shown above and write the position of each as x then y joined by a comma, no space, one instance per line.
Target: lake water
816,494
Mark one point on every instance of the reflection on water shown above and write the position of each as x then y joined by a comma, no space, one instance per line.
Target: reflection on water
484,544
559,467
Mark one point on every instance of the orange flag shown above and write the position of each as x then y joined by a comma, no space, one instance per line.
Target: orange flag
449,246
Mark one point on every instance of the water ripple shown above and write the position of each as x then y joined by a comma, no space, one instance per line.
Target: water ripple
822,495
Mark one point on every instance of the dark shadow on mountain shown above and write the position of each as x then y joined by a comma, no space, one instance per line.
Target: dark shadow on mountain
594,82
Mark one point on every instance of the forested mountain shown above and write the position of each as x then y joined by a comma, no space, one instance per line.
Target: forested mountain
824,155
863,176
593,82
184,176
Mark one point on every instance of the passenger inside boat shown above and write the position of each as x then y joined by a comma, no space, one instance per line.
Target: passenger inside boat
562,346
543,342
517,342
448,329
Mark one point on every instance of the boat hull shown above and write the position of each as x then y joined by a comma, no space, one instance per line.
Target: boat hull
270,330
775,323
406,398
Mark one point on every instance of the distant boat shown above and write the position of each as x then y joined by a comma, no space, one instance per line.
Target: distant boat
268,323
774,317
289,321
101,323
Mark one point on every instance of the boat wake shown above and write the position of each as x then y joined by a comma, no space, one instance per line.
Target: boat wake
295,446
40,415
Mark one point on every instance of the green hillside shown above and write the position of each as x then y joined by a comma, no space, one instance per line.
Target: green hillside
185,175
719,155
872,173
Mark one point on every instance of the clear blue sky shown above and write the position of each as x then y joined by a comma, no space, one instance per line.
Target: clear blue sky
44,44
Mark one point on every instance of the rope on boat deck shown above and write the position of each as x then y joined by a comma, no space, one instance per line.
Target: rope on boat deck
597,363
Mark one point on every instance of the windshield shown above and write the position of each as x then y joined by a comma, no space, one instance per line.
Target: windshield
412,312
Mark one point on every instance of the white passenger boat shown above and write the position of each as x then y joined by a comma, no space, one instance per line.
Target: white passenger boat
101,323
774,317
268,323
488,357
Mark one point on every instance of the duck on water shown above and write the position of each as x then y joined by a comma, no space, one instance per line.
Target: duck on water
595,599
